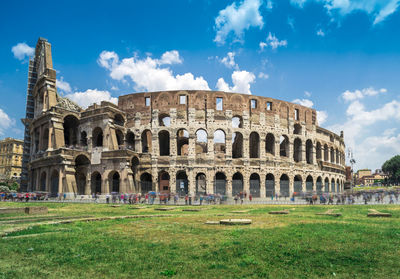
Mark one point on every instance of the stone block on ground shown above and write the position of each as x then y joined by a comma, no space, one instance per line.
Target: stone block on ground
235,222
279,212
376,213
36,210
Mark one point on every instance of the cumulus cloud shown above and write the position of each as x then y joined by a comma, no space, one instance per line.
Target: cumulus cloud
5,122
307,93
378,10
22,50
229,61
273,42
263,75
350,96
63,85
241,82
321,114
91,96
237,18
320,33
150,74
304,102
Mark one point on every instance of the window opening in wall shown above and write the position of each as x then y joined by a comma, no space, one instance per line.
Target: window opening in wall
147,100
237,122
253,104
219,104
182,99
269,105
296,114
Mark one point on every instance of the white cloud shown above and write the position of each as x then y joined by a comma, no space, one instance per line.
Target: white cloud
379,10
263,75
241,82
91,96
229,61
22,50
321,117
63,85
350,96
5,122
304,102
273,42
321,114
148,74
320,33
236,19
307,93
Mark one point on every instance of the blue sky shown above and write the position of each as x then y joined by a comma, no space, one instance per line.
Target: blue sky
340,57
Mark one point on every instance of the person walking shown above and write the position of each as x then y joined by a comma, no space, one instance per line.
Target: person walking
250,197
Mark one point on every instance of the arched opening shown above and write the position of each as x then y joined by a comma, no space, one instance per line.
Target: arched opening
182,183
319,185
284,146
309,152
270,144
182,142
84,138
163,181
114,181
333,185
54,183
284,186
146,183
332,155
326,184
130,140
120,138
95,181
255,185
219,141
119,119
36,139
237,145
254,145
201,186
309,184
237,184
298,184
97,137
43,178
71,124
220,183
297,129
45,140
81,168
297,150
270,185
337,186
337,156
146,141
201,141
326,153
237,122
319,151
163,141
164,120
134,164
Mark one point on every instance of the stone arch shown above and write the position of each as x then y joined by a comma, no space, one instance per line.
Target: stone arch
298,184
95,181
220,183
146,183
70,126
97,137
120,137
164,120
333,185
319,151
45,139
297,150
163,142
54,183
237,121
134,164
337,186
219,141
163,182
270,144
182,183
237,184
254,145
326,184
284,186
237,145
119,119
309,184
255,185
309,151
201,184
201,141
43,181
270,185
130,140
146,141
319,185
84,141
82,163
332,155
297,129
284,146
114,180
182,142
326,153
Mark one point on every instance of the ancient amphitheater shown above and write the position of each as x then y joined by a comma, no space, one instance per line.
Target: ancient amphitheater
186,142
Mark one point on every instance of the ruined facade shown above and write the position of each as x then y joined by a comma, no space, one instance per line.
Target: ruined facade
186,142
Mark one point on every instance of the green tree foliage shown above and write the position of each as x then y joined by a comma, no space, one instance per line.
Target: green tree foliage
392,167
14,186
4,189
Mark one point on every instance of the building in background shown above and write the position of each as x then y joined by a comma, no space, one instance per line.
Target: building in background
10,159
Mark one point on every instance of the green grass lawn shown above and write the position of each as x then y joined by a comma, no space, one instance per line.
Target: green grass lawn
298,245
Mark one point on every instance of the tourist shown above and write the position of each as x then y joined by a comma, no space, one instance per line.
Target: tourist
201,199
236,199
250,197
176,197
186,199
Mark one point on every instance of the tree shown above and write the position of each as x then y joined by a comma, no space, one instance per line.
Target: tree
392,168
14,186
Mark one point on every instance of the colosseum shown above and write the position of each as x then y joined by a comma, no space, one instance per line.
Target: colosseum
186,142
